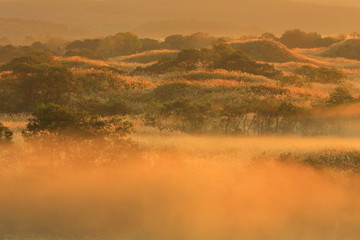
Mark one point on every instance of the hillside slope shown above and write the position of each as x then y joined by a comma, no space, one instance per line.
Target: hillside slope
349,48
268,51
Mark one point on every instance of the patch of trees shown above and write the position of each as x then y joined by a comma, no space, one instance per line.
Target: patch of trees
127,43
245,116
61,120
180,42
219,56
36,79
248,110
29,81
110,46
249,117
299,39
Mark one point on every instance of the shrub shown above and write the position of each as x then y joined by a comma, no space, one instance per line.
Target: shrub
5,134
168,92
320,74
340,96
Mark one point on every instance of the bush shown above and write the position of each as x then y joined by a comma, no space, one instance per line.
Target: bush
300,39
320,74
5,134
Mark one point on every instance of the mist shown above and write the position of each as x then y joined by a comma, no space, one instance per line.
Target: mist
200,189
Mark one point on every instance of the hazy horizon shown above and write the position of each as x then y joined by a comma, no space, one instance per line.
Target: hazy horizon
161,18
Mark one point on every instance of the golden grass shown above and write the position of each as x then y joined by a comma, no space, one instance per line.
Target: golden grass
100,63
203,74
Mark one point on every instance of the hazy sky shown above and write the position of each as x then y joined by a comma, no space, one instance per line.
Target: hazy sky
101,17
352,3
333,2
348,3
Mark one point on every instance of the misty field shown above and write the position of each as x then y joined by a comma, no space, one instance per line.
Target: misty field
183,187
